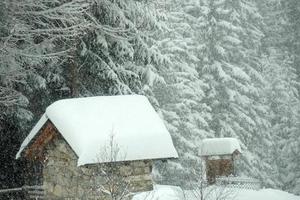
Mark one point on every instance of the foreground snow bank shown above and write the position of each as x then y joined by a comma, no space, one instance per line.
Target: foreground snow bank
266,194
161,192
165,192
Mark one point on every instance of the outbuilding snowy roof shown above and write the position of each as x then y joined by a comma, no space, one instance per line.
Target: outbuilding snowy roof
88,123
219,146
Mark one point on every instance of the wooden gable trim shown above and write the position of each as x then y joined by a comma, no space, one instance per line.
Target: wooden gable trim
236,152
35,151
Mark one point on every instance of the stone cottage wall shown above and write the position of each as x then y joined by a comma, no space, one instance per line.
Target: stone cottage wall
62,179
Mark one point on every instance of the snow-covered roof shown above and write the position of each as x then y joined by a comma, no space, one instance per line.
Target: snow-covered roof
219,146
88,123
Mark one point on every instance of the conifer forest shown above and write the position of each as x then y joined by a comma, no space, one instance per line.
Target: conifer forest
210,68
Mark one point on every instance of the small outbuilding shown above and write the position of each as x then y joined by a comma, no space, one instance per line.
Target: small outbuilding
76,139
219,155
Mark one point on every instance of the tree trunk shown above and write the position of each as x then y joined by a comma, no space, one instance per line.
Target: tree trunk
73,77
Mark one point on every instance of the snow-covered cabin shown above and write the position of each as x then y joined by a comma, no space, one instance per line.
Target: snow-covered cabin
219,155
76,138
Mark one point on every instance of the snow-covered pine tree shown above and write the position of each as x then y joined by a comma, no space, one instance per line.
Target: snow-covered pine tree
292,11
293,144
116,34
13,103
12,71
121,58
282,95
281,92
230,33
185,114
37,35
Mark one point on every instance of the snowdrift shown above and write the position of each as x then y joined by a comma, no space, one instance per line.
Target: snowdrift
165,192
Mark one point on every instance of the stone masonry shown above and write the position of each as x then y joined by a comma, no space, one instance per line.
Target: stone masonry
62,179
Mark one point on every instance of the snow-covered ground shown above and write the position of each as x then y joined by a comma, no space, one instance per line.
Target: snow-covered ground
166,192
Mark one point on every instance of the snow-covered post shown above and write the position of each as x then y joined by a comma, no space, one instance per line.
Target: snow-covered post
204,172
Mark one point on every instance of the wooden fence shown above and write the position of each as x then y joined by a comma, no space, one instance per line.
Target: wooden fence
35,192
